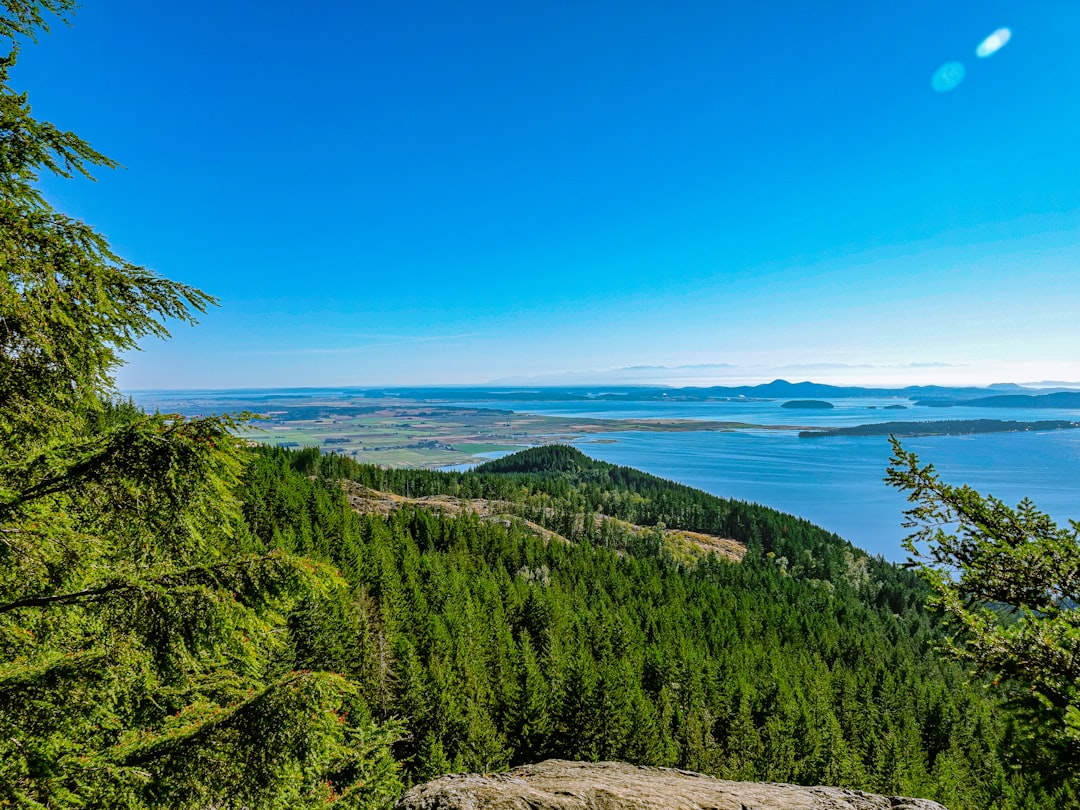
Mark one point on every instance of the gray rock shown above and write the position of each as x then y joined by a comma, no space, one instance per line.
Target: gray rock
561,785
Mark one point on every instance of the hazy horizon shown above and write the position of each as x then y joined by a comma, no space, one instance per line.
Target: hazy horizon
587,380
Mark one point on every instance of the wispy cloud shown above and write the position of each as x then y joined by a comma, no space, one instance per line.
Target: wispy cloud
629,375
687,366
822,366
842,366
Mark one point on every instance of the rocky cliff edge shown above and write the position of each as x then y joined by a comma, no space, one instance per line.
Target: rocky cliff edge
562,785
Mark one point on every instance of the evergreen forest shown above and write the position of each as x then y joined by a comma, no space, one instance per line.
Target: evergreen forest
808,661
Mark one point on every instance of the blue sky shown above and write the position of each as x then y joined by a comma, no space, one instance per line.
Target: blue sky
434,192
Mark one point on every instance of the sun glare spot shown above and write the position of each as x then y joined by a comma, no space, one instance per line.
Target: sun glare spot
947,77
993,43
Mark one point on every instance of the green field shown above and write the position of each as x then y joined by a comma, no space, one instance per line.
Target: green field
414,434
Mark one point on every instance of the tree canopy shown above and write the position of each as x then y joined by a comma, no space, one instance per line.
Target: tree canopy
1009,582
566,625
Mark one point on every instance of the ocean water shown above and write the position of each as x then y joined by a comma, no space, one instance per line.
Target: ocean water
836,482
771,412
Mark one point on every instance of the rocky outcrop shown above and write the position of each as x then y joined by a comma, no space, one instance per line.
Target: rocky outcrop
560,785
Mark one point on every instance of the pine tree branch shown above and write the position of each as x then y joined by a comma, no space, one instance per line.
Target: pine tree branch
66,598
174,579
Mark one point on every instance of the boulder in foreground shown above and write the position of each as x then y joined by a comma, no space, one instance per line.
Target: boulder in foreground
561,785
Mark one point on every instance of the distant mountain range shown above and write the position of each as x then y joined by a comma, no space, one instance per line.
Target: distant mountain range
1004,395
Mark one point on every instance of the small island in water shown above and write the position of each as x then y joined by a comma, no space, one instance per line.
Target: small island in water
949,427
808,404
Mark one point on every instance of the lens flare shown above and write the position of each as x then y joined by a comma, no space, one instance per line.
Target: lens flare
947,77
993,43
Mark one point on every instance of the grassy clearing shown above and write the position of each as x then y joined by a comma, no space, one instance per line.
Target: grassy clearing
471,448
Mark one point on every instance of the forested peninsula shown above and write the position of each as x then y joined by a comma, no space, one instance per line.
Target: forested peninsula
948,427
1059,399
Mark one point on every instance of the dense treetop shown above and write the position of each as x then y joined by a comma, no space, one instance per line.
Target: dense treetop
807,662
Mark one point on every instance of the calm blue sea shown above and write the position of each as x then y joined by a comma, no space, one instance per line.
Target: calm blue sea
837,482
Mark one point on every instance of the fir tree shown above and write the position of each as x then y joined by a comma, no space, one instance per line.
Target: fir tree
143,655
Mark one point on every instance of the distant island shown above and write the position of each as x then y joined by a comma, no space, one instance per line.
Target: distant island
777,389
808,404
1060,399
948,427
436,427
999,395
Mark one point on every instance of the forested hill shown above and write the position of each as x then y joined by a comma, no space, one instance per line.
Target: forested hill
490,645
562,489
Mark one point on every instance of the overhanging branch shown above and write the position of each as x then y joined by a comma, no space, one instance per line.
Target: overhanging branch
65,598
170,580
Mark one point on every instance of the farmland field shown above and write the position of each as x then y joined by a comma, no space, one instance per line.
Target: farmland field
401,434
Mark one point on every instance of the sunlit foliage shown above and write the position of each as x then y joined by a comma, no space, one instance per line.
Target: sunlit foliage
1008,580
145,658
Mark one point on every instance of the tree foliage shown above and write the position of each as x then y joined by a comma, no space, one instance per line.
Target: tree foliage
807,662
145,659
1008,579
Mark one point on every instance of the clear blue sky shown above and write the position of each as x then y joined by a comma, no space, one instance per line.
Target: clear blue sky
459,192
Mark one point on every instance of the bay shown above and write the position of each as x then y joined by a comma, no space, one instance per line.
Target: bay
836,482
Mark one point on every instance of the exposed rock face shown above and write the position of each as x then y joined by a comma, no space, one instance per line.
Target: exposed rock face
560,785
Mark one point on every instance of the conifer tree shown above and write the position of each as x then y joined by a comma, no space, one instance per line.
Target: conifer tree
1008,580
143,648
